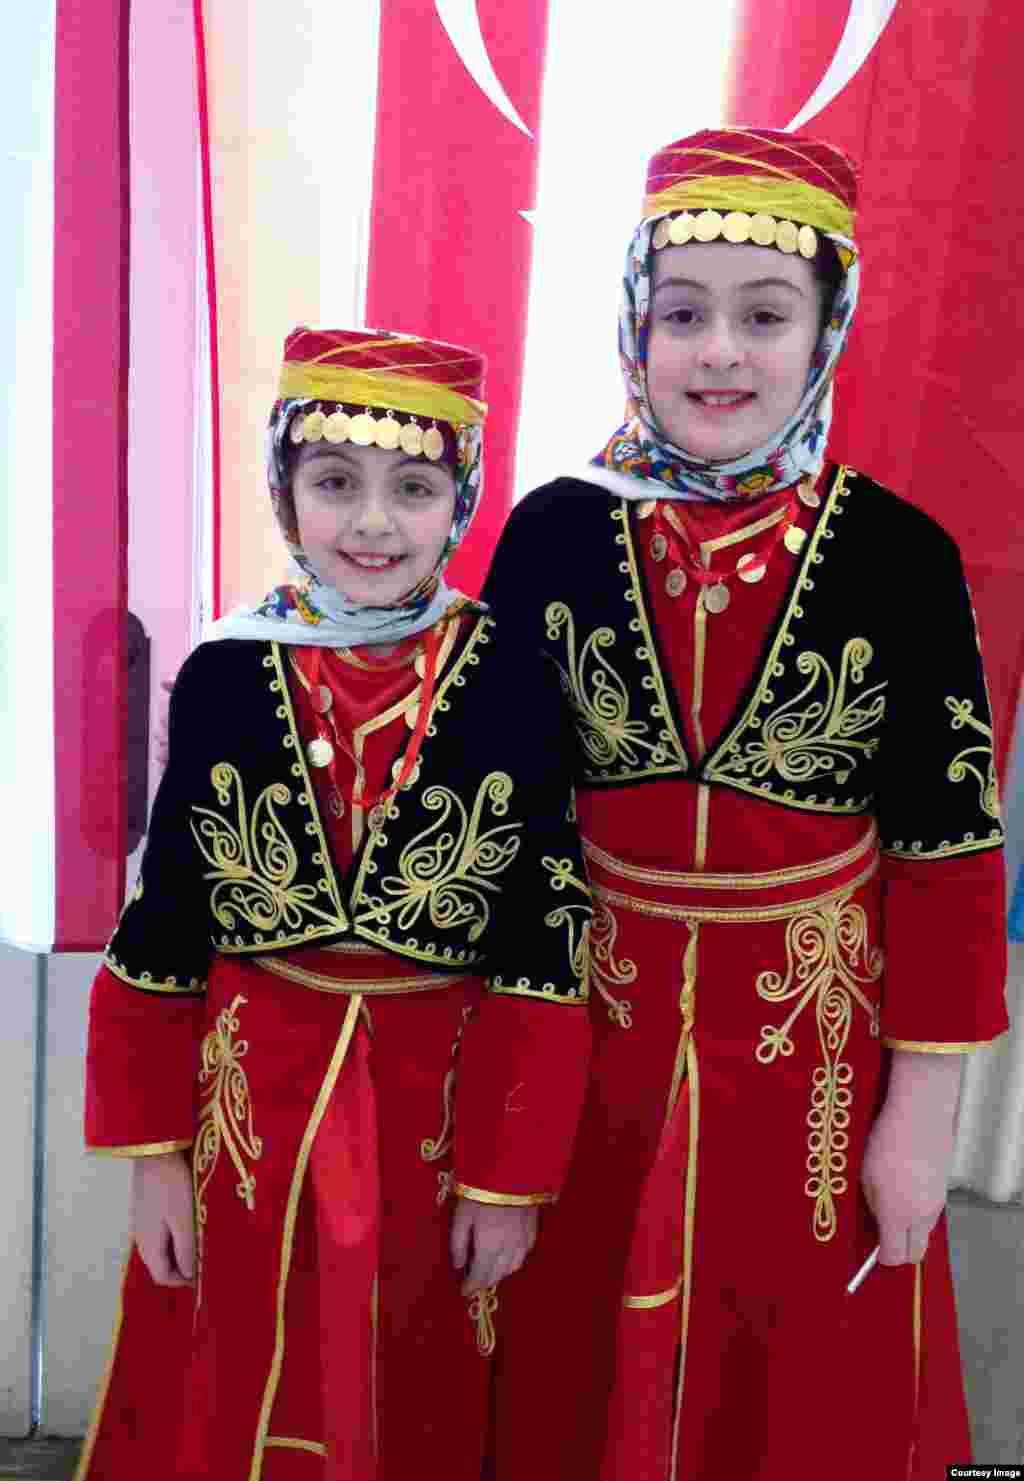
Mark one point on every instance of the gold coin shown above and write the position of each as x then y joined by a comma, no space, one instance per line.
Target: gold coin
807,241
808,494
646,508
708,226
320,752
794,539
385,433
717,598
410,439
786,236
675,582
321,699
751,568
336,426
433,444
661,237
659,547
295,431
361,429
736,227
681,229
313,426
762,229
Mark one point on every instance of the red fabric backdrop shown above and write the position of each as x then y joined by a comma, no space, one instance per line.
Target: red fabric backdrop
90,441
930,398
449,251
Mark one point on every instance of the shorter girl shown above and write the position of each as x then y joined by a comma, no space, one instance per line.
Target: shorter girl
361,887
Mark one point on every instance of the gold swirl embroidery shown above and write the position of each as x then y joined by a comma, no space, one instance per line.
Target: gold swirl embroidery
225,1119
605,971
450,870
824,952
252,859
575,918
599,696
815,731
963,714
482,1307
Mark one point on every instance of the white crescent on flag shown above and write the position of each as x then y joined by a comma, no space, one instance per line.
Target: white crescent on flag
461,21
864,25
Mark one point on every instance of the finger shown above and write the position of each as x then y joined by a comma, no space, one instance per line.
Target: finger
156,1256
459,1239
183,1241
481,1272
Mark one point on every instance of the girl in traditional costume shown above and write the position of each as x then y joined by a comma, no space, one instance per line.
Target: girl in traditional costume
788,804
348,992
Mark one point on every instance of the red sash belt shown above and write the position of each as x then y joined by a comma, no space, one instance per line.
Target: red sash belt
351,967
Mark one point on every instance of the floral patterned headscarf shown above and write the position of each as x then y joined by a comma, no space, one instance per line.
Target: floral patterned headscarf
745,174
312,612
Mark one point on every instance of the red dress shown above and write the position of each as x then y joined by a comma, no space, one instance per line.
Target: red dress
750,965
316,1089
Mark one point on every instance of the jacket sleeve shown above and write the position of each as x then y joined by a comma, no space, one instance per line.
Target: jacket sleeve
148,999
939,819
525,1054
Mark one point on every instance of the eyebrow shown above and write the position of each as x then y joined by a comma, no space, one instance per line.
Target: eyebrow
339,452
752,284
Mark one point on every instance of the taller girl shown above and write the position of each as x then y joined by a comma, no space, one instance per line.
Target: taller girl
788,803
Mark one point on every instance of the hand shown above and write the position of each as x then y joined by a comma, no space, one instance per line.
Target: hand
162,1218
161,740
905,1177
501,1237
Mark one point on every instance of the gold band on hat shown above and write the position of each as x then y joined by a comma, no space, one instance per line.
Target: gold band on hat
737,226
379,388
783,199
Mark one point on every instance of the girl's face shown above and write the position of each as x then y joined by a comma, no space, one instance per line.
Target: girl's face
731,335
373,523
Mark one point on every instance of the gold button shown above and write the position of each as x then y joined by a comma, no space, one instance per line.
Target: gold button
708,226
717,598
736,227
661,234
786,237
751,567
795,539
675,582
320,752
681,229
808,494
659,547
762,229
807,241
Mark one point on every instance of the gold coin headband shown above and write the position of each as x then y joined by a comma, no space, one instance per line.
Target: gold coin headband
737,226
366,430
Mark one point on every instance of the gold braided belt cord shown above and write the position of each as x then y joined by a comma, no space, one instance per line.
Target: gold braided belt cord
774,895
336,976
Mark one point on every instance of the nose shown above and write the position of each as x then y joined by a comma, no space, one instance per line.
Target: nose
373,515
720,345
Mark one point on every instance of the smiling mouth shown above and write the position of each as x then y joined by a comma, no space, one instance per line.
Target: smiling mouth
371,562
720,400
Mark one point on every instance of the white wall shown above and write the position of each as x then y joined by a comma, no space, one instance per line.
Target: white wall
17,991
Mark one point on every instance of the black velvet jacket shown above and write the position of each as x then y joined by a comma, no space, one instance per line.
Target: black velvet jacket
477,866
869,697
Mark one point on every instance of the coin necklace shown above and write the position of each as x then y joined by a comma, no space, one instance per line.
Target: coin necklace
321,752
750,567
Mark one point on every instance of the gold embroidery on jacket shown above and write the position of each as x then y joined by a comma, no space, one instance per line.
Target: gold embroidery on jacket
607,973
828,960
575,918
254,862
599,697
963,714
225,1119
819,731
450,868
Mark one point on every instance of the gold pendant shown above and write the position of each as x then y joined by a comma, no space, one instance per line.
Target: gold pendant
659,547
321,699
661,234
794,539
717,598
320,752
361,429
433,444
386,433
336,426
807,494
313,426
675,582
410,439
751,568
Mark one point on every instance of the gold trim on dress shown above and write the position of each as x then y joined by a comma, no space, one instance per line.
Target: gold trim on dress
141,1149
945,850
575,918
605,971
689,1223
286,1442
662,708
651,1303
504,1200
700,848
320,982
195,987
793,874
288,1236
919,1046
